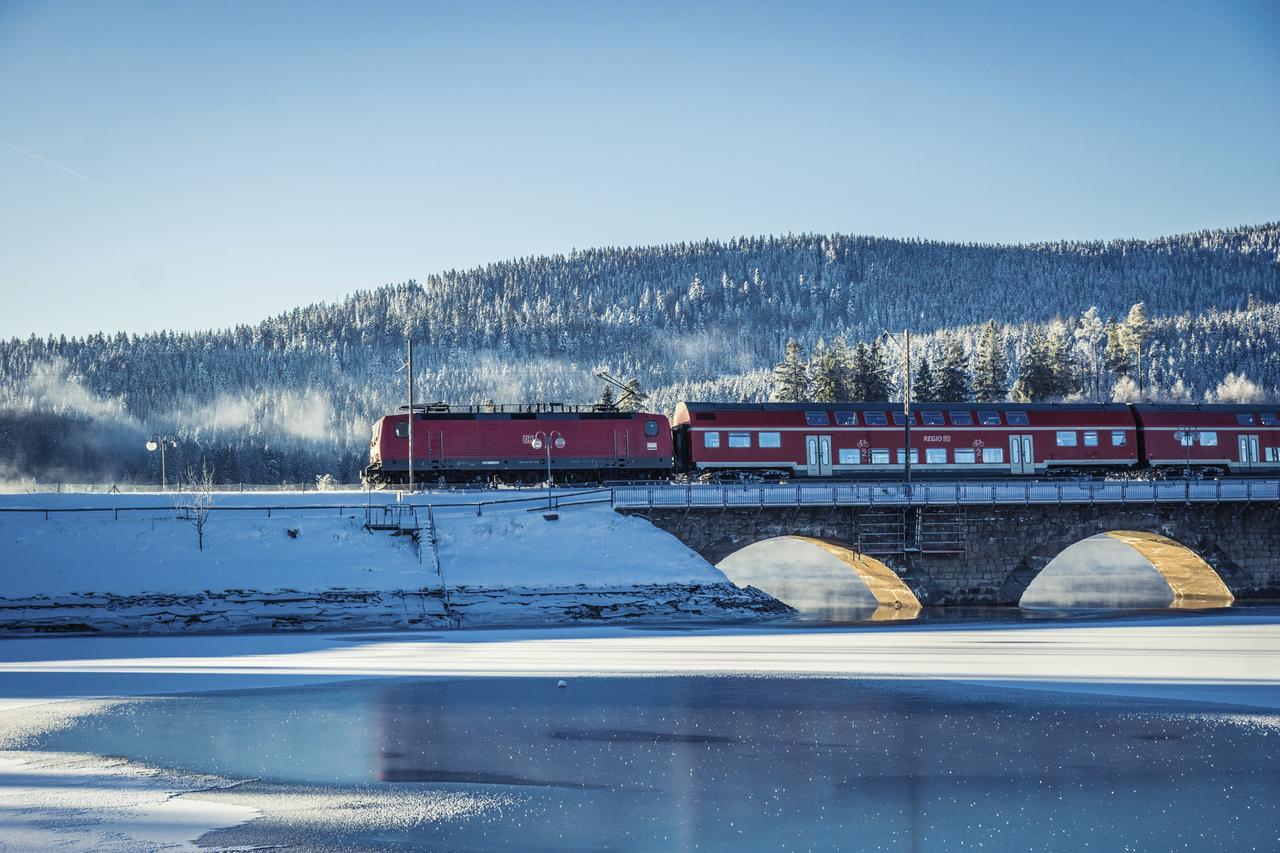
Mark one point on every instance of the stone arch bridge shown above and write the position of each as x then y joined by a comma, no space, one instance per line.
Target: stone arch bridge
989,553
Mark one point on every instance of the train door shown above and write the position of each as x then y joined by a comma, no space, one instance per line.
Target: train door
1248,446
1022,458
818,455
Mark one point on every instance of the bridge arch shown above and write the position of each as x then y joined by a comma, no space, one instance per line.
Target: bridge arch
822,579
1126,568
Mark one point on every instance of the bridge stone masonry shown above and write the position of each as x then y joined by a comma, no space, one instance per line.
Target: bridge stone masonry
949,552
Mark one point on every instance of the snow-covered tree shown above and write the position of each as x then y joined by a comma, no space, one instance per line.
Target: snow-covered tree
1238,388
951,377
791,376
990,366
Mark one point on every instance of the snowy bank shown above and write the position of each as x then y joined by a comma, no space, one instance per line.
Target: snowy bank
284,561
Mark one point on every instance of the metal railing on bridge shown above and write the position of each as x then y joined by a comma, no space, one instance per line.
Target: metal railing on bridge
707,496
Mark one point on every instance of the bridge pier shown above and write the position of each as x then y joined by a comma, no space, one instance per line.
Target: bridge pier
998,549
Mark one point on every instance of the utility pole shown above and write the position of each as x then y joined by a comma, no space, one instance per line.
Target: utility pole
412,485
906,407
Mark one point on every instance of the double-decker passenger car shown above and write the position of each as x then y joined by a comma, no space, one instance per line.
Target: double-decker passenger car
867,439
509,443
1240,439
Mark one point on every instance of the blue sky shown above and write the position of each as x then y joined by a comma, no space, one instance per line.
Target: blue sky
188,165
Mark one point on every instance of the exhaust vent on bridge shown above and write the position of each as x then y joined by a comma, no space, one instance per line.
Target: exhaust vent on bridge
824,581
1127,568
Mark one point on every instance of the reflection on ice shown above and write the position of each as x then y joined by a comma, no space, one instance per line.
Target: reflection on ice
1127,569
730,762
823,581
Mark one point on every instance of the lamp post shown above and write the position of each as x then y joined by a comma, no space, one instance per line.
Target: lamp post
161,442
541,440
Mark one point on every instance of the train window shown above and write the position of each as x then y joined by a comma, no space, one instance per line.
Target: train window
402,429
879,457
966,455
932,418
915,456
1066,438
899,419
876,419
1186,438
739,439
770,439
936,456
1270,419
846,418
816,418
1091,438
962,418
651,428
853,456
989,418
1209,439
1017,418
993,455
1245,419
1273,454
711,439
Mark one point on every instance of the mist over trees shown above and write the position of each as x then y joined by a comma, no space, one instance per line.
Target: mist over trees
293,397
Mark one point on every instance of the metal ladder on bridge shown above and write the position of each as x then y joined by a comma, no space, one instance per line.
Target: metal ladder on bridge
912,530
882,532
941,530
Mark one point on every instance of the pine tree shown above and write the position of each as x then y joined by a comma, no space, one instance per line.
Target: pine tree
826,374
1090,345
607,403
1036,376
1134,332
844,364
951,378
791,375
868,377
1058,345
990,366
1116,358
923,386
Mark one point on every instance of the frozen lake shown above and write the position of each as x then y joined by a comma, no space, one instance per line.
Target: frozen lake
667,739
719,762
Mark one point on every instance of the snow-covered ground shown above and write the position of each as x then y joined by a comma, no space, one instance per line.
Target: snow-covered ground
310,562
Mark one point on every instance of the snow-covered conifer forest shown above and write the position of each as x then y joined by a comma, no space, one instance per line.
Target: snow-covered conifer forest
1190,317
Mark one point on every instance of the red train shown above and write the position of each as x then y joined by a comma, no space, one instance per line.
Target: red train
510,443
848,440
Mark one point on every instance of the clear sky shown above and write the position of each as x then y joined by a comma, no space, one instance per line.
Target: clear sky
188,165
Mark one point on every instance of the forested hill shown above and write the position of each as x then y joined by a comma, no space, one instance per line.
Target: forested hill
293,395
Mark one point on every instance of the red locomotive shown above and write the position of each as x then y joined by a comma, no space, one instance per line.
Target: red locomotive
819,440
455,444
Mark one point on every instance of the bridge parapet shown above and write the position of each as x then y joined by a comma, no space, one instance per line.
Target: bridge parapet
964,492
